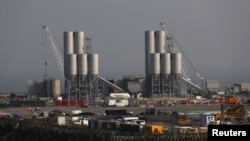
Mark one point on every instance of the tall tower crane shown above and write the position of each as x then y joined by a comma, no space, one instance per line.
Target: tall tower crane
57,51
172,45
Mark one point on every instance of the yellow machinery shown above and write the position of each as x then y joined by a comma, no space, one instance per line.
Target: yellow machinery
180,118
233,108
184,121
231,99
153,129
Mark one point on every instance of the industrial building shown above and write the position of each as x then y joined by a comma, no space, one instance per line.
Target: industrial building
80,67
241,87
165,71
44,88
134,85
213,86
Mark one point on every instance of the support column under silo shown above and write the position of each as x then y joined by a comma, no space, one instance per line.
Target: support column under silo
165,85
82,86
155,85
176,85
70,86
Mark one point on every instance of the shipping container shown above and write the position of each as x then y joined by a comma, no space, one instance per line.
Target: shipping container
64,102
130,127
93,124
80,102
153,129
58,103
72,102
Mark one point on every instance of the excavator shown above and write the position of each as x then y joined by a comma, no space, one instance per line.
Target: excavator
233,108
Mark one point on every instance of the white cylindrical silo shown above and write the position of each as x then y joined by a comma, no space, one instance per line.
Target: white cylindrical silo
82,64
155,63
176,63
165,63
93,64
68,43
149,48
71,65
160,41
78,42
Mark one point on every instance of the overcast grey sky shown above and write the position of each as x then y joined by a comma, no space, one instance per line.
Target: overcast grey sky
215,35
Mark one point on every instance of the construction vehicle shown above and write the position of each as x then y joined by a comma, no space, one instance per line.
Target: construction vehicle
180,118
232,109
84,121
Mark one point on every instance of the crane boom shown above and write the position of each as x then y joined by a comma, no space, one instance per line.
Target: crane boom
173,46
57,51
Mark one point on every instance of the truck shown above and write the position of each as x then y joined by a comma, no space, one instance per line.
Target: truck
116,102
76,112
84,121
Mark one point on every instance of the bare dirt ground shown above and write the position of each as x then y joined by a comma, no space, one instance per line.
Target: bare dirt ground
27,112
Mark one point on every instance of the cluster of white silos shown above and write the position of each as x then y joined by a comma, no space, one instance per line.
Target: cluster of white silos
76,61
80,67
159,64
158,61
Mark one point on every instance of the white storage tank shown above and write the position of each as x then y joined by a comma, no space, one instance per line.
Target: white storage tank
160,41
68,43
176,63
78,42
56,89
70,66
155,63
82,64
93,64
149,48
165,63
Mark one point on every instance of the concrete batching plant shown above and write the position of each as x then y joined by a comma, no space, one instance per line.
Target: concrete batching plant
163,69
80,69
163,66
79,66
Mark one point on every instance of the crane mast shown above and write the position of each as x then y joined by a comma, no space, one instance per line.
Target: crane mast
172,45
57,51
